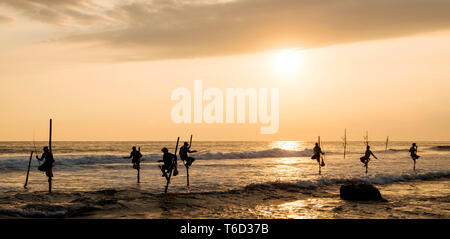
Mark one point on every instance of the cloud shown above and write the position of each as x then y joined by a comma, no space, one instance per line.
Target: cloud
5,19
56,12
183,29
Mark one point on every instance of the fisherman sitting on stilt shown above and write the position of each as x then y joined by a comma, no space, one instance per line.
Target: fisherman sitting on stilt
135,157
317,152
184,154
413,151
168,160
47,166
366,158
414,156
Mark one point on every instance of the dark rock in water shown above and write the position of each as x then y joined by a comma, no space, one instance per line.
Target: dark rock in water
109,192
360,191
82,210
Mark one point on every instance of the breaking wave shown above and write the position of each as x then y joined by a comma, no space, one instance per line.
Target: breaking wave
87,203
441,148
379,179
8,163
270,153
21,162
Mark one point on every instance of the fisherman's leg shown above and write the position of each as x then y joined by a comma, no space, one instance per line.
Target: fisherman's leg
189,161
49,173
163,170
363,160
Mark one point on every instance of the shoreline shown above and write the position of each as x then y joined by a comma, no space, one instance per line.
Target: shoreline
261,201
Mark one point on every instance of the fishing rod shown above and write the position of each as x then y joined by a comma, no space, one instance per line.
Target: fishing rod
142,157
366,138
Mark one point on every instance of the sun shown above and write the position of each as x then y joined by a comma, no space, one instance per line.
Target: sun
287,61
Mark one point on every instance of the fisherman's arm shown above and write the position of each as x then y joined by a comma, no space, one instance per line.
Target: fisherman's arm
373,155
131,155
42,157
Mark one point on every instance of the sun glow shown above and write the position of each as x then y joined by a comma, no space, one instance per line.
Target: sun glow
286,145
287,62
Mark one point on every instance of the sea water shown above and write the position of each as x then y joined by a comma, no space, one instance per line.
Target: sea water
228,180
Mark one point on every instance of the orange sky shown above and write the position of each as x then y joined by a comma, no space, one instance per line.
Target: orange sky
105,71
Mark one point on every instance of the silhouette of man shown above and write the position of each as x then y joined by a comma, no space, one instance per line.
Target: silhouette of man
184,150
135,157
366,158
317,151
168,159
413,151
47,166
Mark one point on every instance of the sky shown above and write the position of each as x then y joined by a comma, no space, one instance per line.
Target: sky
105,70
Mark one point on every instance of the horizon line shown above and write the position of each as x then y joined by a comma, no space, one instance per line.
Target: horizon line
223,140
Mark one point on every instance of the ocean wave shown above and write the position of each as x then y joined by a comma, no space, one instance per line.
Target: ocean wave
379,179
270,153
8,163
441,148
41,210
21,162
79,204
396,150
42,213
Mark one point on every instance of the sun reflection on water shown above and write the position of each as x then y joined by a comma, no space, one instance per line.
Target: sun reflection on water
300,209
288,145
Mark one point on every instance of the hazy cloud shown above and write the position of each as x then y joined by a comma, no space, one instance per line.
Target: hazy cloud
5,19
57,12
182,29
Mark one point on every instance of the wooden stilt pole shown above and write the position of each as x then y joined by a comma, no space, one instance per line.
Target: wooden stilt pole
345,142
28,171
387,141
187,167
139,168
138,174
417,153
366,138
187,173
50,138
320,156
50,184
172,167
51,152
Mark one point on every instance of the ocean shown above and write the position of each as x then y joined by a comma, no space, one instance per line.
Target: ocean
228,180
